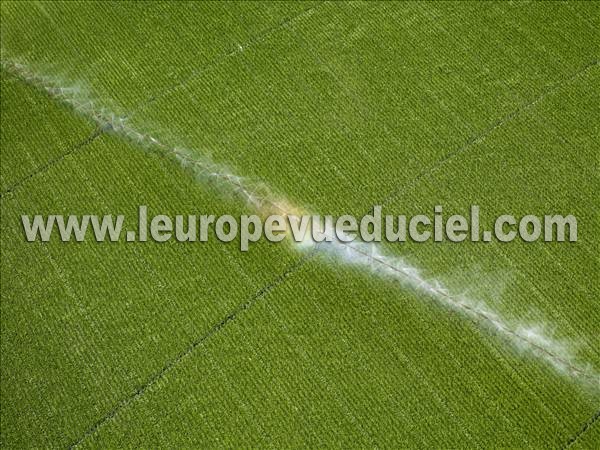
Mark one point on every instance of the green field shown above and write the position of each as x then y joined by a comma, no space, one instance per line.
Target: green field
335,107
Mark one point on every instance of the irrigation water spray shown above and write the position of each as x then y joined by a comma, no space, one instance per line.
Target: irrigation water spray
557,353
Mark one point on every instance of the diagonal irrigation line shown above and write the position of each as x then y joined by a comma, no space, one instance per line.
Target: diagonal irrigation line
252,41
478,314
452,300
281,278
43,168
230,317
290,270
584,429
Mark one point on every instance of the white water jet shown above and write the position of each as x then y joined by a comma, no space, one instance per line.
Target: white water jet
531,338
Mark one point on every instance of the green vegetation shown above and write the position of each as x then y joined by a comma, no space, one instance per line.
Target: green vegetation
336,107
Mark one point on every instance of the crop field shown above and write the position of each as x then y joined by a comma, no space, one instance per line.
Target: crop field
328,107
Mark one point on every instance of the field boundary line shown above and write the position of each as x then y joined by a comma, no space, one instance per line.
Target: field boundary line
479,137
584,429
280,279
43,168
252,41
171,363
109,123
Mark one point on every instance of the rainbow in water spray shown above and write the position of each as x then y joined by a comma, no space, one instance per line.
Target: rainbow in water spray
557,353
